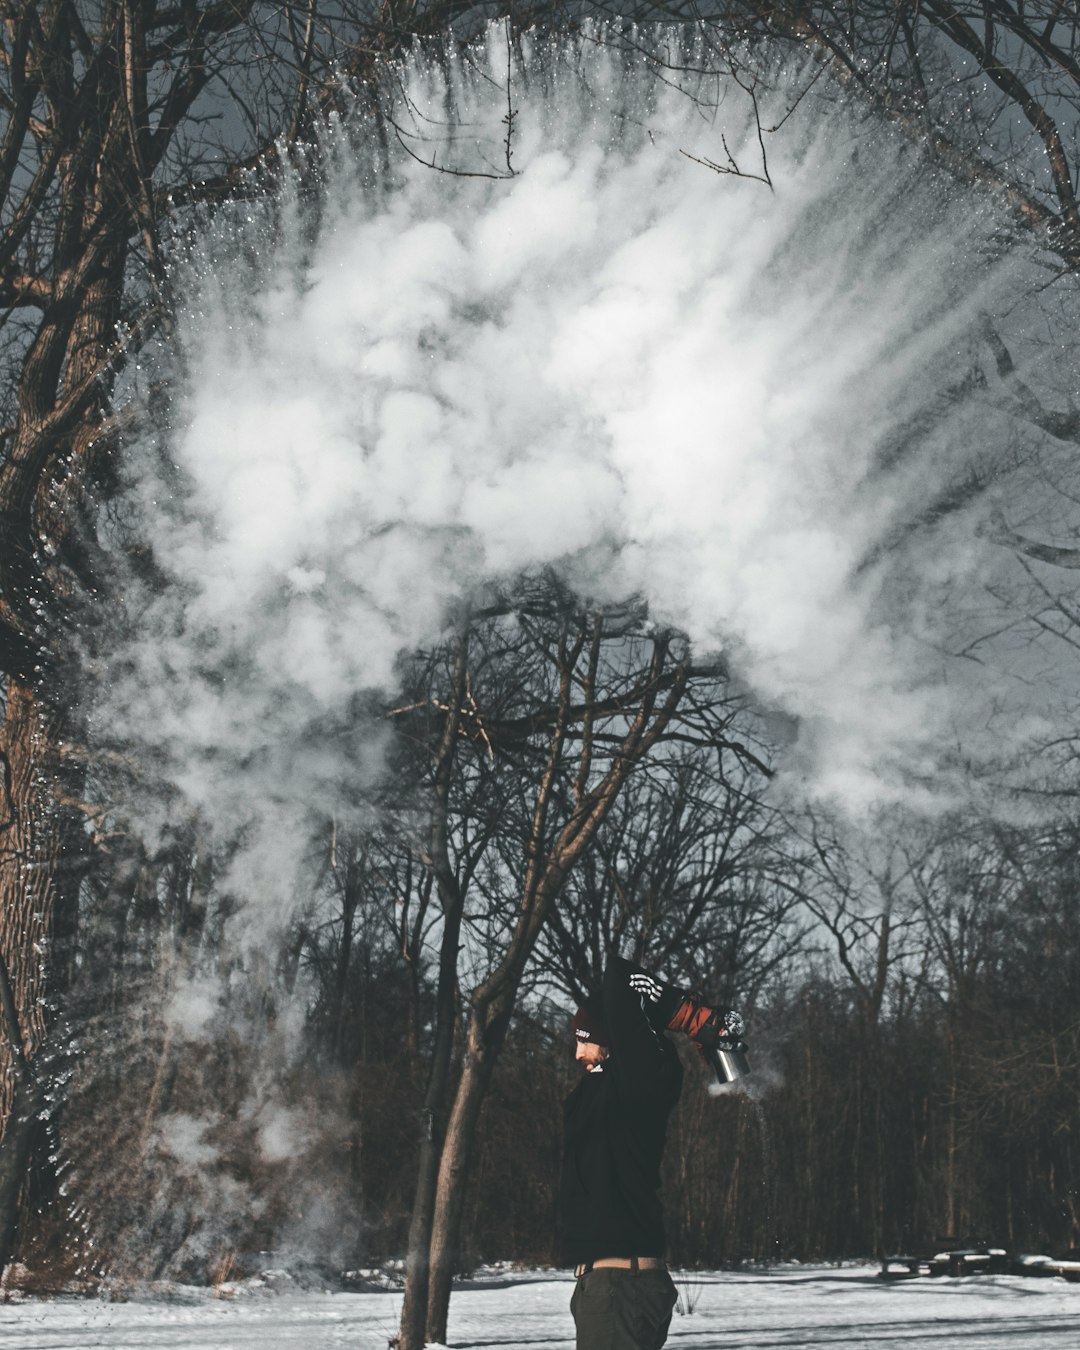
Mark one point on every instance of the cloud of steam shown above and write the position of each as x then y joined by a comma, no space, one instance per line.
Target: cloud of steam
658,378
182,1136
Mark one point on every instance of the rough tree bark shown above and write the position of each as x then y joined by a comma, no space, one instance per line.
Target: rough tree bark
42,842
433,1113
27,895
77,157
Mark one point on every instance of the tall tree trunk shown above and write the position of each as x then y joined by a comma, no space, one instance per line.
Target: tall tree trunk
42,842
32,831
26,1100
487,1032
417,1263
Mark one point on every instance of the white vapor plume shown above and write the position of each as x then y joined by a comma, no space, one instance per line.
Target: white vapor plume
737,399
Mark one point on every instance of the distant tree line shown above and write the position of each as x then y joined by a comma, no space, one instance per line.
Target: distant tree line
917,1062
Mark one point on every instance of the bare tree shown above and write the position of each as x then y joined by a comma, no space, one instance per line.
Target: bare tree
110,117
684,875
548,709
992,87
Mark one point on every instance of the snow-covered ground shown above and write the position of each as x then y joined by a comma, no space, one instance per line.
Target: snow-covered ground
805,1306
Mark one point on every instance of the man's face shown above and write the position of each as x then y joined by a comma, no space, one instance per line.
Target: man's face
590,1053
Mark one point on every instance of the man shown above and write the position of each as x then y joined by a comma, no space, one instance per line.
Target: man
615,1124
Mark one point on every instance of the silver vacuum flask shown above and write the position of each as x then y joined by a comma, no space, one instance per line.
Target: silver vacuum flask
731,1061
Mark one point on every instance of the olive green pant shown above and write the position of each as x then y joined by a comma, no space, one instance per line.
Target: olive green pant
623,1309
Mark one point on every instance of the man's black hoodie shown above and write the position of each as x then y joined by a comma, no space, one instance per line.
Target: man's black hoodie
615,1124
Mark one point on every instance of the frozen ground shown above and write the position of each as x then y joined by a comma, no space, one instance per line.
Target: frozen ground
807,1306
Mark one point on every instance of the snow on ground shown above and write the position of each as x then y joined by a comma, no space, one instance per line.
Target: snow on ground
789,1307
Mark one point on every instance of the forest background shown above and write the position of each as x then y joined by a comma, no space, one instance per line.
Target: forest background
379,1072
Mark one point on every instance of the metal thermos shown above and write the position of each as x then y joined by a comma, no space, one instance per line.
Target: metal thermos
731,1061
